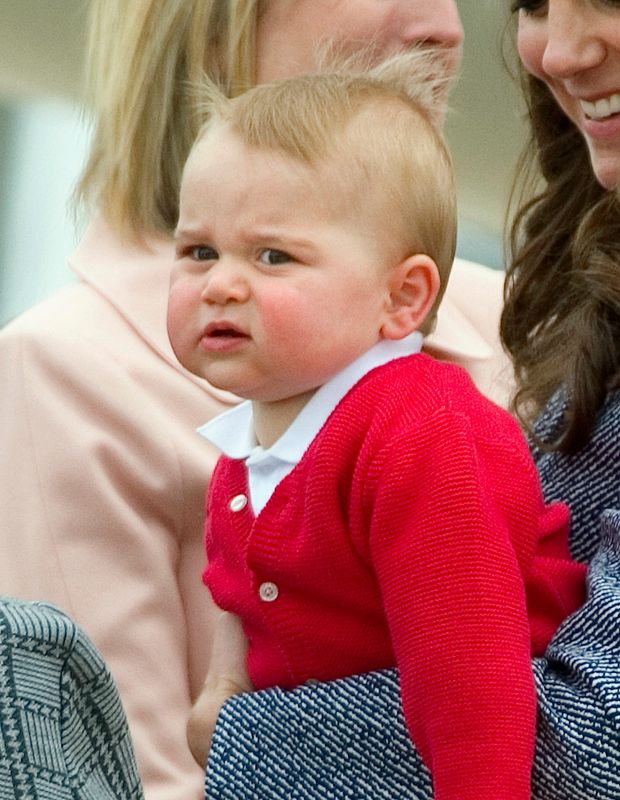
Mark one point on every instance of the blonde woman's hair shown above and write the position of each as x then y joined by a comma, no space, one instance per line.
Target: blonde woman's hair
145,58
374,134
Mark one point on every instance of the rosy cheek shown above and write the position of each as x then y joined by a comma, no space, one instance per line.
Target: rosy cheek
280,314
182,304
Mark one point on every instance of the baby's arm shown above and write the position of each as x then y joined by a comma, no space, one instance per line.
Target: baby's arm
455,604
227,676
351,733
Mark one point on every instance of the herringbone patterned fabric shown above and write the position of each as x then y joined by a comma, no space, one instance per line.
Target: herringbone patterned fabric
63,732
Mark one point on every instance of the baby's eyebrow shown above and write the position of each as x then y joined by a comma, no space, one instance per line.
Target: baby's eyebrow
275,237
182,232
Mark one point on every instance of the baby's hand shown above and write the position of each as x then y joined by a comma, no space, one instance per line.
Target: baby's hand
227,676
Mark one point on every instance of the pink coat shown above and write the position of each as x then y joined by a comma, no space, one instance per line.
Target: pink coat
103,476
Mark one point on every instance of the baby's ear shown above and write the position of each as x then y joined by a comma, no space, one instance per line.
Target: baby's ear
413,287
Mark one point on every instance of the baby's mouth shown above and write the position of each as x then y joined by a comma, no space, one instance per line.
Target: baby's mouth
223,330
221,337
222,333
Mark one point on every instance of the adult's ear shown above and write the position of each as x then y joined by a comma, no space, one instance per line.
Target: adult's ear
413,288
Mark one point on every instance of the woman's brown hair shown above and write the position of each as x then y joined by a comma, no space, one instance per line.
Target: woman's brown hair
561,320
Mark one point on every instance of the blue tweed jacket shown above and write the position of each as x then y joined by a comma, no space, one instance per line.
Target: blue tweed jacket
347,739
63,732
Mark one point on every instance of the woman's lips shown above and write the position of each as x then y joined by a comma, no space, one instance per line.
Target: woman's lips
602,129
601,118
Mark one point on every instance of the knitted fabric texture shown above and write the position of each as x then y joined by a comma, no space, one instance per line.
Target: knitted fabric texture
346,739
406,534
63,732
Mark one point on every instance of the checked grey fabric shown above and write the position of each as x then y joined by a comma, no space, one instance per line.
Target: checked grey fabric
347,739
63,732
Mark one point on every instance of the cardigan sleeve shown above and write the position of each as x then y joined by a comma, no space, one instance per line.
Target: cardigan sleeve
350,733
441,543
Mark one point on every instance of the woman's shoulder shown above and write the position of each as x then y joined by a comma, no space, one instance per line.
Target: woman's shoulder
478,292
68,334
588,480
467,329
605,433
483,275
114,310
70,310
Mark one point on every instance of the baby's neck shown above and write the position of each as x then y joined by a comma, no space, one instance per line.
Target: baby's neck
272,418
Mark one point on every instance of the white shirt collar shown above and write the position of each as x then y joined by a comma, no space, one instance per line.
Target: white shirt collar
233,432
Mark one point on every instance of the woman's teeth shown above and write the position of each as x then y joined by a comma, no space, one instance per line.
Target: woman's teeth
602,108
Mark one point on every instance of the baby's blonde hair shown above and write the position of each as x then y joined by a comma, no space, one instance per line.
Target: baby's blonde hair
374,134
145,58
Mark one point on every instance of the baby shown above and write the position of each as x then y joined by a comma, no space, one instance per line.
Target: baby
371,508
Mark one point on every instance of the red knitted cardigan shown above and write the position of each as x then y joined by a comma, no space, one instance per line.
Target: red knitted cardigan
411,533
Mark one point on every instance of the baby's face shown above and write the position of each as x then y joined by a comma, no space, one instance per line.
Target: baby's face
277,284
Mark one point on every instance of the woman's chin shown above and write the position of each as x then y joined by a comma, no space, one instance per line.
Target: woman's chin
606,169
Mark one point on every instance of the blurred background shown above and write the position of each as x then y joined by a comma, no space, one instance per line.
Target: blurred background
44,136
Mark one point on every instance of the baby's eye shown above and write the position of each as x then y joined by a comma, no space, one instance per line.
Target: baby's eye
272,257
203,253
528,6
